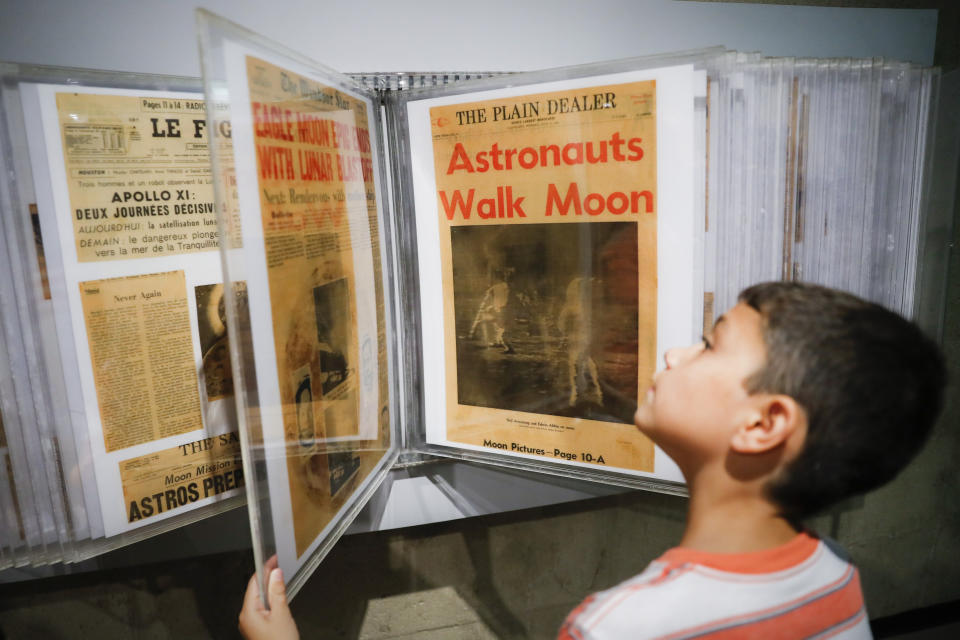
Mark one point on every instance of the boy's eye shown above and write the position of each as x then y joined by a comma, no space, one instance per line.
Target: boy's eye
707,345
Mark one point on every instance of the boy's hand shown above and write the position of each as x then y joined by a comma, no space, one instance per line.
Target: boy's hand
256,622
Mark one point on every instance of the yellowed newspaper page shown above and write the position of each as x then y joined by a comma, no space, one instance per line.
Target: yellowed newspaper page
548,247
167,480
138,329
315,166
138,175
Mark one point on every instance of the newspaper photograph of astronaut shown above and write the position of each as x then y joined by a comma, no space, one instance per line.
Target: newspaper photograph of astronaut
547,318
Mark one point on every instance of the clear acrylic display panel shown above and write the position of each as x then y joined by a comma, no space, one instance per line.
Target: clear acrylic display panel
300,195
937,230
67,479
39,502
811,170
529,337
21,528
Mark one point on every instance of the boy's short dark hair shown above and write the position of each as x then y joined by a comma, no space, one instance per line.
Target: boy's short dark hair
870,381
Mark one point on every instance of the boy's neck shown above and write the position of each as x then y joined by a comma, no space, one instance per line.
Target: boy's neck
725,518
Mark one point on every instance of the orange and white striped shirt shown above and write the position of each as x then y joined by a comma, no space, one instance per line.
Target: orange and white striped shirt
802,589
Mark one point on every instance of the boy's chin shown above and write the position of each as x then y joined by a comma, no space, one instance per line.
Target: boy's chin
643,418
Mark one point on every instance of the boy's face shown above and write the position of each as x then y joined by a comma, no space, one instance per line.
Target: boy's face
696,404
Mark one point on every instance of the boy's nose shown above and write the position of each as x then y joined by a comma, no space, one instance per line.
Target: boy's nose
673,357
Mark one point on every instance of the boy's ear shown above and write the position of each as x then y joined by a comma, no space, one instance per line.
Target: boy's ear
771,421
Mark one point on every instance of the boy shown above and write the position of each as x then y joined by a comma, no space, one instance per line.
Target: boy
801,397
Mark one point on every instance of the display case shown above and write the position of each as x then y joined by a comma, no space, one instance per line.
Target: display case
281,283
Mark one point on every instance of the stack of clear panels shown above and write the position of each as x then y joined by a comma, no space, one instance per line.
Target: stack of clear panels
118,413
817,174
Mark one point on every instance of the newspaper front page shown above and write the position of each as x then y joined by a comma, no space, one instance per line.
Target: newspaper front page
540,260
307,186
